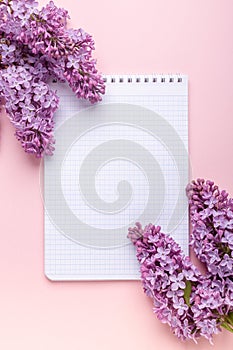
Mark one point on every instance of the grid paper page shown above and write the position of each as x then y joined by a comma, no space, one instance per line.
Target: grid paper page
116,162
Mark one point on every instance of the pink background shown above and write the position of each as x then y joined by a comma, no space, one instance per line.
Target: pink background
192,37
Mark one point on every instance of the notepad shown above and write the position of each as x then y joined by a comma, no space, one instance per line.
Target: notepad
117,162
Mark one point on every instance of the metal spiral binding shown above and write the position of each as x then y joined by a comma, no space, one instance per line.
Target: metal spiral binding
140,79
144,79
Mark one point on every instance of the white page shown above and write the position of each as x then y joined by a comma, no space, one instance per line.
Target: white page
116,162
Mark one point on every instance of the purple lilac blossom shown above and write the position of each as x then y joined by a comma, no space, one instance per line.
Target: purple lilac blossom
35,46
166,275
212,238
212,235
30,105
68,51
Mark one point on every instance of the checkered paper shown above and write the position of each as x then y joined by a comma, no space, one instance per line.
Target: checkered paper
116,162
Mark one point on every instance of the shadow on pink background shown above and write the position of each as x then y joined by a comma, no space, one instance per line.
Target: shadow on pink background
192,37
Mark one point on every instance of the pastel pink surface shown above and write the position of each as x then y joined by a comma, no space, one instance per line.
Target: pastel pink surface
192,37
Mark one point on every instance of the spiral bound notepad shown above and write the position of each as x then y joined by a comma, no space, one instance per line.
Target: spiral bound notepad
116,162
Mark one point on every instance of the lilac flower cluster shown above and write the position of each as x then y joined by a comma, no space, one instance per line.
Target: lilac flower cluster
190,303
30,105
35,47
211,214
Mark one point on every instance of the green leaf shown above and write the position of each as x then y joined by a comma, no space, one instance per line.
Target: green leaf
229,320
226,326
187,292
230,315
